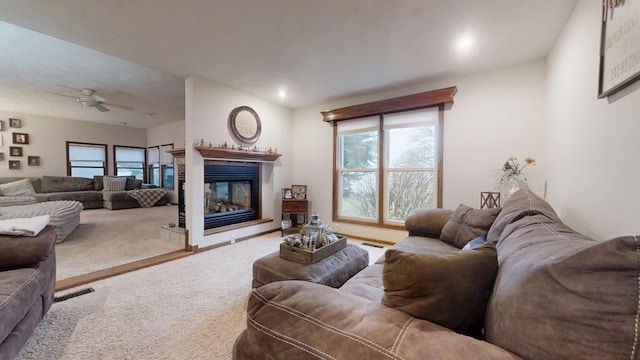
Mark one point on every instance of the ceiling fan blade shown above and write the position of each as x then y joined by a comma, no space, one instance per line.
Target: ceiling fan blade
75,97
124,107
70,87
100,107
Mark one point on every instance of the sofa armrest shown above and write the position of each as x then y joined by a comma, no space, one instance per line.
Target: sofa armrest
427,222
24,251
303,320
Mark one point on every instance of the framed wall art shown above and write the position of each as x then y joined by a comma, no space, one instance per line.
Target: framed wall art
1,156
245,125
14,164
15,150
619,46
2,125
33,160
15,123
20,138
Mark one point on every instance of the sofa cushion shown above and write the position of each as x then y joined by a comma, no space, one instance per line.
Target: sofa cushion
520,204
114,183
133,183
66,183
422,245
560,294
467,223
98,182
17,251
16,200
82,196
451,290
17,188
427,222
366,284
19,290
303,320
36,182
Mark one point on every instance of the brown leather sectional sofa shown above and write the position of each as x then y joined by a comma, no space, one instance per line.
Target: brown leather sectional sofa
535,290
27,283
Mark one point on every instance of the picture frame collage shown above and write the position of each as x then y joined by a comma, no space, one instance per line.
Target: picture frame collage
16,149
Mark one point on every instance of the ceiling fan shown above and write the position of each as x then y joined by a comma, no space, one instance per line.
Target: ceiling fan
89,98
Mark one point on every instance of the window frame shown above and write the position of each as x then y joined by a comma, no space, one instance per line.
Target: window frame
115,160
70,167
162,167
441,98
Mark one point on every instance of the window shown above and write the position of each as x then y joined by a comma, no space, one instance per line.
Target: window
129,161
407,172
86,160
160,168
388,158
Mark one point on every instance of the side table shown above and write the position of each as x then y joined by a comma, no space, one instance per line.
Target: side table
291,209
332,271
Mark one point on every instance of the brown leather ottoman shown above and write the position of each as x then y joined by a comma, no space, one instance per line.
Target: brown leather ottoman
332,271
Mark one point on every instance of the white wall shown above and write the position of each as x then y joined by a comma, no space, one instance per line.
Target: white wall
593,147
172,133
48,136
496,114
207,109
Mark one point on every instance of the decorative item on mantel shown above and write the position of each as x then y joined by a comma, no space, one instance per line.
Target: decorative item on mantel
313,243
512,177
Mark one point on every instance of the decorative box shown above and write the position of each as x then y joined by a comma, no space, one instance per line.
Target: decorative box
305,256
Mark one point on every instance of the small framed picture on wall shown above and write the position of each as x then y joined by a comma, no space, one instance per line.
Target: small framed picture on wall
14,164
33,161
15,150
15,123
20,138
2,125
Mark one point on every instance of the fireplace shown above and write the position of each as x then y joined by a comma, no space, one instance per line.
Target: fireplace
231,193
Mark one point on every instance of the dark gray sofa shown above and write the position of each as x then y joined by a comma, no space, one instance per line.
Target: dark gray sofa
553,294
87,191
27,284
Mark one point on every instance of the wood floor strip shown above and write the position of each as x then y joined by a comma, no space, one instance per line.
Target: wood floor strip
120,269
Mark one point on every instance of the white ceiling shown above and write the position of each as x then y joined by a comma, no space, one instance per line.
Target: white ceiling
315,50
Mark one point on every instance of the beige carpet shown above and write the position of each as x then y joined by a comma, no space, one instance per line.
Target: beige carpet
107,238
192,308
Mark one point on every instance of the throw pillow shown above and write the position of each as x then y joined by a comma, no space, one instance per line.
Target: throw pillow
98,183
467,223
474,243
131,183
427,222
17,188
112,183
451,290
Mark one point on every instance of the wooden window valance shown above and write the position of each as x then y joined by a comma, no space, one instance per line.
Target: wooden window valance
402,103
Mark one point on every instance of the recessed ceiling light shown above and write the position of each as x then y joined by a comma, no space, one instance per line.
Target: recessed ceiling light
464,42
282,94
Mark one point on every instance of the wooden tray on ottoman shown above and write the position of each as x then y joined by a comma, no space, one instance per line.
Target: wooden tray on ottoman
304,256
